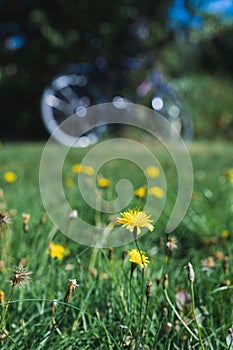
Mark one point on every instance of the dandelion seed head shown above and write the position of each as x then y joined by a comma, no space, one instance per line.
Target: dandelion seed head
73,283
171,244
21,276
73,214
4,218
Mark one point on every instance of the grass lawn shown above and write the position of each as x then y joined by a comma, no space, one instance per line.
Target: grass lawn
118,304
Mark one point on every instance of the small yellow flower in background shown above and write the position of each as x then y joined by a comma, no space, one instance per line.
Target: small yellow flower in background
10,176
138,257
2,297
224,234
230,175
79,168
141,192
69,182
56,251
89,170
135,219
157,192
152,171
103,182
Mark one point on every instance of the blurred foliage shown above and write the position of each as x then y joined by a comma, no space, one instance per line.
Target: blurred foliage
209,97
51,34
205,42
55,33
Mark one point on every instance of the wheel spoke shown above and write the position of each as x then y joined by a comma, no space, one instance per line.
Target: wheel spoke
70,95
59,104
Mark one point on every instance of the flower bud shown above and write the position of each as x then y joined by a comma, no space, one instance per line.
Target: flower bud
149,289
191,273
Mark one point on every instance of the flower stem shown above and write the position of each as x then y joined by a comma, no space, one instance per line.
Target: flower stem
178,315
141,297
119,287
130,298
6,308
195,317
144,321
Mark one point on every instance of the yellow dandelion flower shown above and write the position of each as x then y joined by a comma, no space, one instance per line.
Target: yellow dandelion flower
69,182
2,297
77,168
231,177
103,182
152,171
141,192
157,192
89,170
135,219
56,251
224,234
138,257
10,176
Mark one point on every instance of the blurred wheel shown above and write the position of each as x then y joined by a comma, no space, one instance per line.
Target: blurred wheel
67,95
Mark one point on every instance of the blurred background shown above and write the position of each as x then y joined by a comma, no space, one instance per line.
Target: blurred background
189,40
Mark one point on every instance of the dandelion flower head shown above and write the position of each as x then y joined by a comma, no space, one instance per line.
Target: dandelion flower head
138,257
89,170
224,234
79,168
135,219
10,177
157,192
140,192
230,175
103,182
56,251
152,171
69,182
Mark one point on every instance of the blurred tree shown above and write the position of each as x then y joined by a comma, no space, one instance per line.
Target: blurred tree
204,29
38,37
